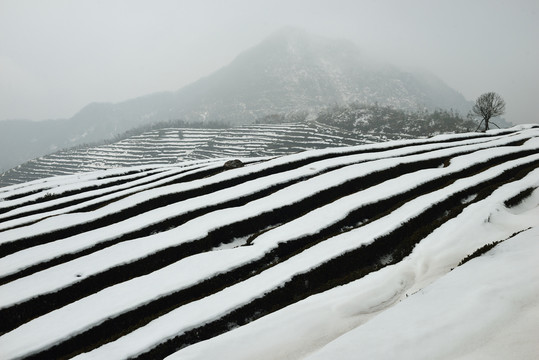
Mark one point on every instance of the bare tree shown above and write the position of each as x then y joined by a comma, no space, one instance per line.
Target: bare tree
487,106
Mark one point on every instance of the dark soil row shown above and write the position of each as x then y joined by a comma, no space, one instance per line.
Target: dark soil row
519,198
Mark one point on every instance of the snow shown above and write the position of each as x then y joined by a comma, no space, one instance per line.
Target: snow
62,275
485,309
165,146
132,186
234,296
417,308
52,182
352,313
67,220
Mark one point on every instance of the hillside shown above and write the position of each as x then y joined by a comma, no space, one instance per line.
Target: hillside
289,71
327,253
171,144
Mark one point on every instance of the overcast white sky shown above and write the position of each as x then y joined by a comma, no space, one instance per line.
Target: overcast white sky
56,56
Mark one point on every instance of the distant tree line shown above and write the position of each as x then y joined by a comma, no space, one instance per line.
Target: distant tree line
373,118
385,119
179,123
291,117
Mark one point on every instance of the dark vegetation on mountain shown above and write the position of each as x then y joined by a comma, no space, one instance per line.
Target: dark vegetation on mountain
161,125
384,120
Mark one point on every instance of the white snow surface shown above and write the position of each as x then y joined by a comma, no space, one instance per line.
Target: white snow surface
422,307
386,160
64,274
487,308
230,298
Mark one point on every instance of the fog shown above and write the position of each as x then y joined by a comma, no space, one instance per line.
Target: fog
56,56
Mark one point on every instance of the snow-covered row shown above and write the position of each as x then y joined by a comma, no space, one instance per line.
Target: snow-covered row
349,313
90,198
52,182
71,220
79,186
214,306
161,282
496,316
291,225
292,194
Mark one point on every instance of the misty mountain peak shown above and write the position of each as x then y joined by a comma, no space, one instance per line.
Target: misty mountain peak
299,47
296,38
289,71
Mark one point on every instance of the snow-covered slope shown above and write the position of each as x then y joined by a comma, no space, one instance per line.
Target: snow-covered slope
327,253
172,145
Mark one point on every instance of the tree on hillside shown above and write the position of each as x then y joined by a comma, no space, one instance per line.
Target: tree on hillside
487,106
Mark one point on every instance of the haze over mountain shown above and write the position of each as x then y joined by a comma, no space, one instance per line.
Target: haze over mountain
287,72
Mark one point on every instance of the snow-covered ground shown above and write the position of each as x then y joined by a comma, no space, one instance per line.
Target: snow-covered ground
419,308
193,259
486,309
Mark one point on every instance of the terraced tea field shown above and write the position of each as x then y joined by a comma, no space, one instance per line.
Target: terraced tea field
279,257
173,145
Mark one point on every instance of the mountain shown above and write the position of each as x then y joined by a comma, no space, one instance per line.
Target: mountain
289,71
413,249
